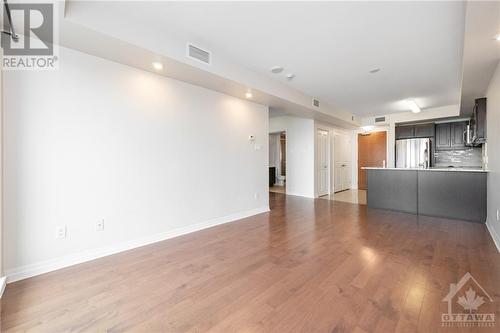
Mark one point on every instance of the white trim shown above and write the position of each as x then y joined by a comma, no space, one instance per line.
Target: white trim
46,266
3,283
299,194
494,235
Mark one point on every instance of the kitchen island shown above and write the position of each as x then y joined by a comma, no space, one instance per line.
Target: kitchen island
450,193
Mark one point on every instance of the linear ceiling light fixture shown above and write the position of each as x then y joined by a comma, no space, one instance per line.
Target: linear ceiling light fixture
413,106
157,65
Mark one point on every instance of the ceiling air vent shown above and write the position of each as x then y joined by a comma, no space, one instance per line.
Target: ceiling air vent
198,54
316,102
380,119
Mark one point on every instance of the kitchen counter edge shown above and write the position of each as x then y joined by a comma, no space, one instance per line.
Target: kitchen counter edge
433,169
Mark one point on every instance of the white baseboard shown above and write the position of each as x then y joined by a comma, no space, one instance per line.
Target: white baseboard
3,282
298,194
27,271
494,235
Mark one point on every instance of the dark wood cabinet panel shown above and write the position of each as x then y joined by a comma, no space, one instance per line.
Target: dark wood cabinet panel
415,131
443,136
457,135
481,118
450,136
405,132
424,130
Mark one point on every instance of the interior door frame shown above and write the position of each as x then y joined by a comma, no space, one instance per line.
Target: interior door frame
333,163
286,153
329,161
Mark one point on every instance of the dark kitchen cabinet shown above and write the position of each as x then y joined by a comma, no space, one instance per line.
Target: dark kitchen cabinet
415,131
450,136
443,139
424,130
480,119
405,132
457,135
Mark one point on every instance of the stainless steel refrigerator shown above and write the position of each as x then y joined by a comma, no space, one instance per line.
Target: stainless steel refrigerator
413,153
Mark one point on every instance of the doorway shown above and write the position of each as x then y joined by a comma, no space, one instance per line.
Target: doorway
372,152
323,161
342,163
277,162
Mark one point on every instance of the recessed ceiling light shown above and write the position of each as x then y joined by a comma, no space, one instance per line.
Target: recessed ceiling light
375,70
290,76
276,69
248,94
497,37
413,106
157,65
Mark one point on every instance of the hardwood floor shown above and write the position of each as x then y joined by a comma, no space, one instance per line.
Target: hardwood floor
351,196
277,189
307,266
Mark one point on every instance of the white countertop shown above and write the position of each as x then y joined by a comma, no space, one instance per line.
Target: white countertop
431,169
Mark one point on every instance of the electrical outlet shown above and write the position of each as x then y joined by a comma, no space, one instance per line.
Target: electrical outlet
498,214
61,232
99,226
256,195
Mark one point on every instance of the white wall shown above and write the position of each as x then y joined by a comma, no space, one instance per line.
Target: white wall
299,153
493,148
152,156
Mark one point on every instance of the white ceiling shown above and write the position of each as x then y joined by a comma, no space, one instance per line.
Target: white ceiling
329,46
481,51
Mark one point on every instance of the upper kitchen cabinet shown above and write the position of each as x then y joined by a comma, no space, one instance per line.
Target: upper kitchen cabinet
457,135
405,132
443,140
450,135
415,131
480,119
424,130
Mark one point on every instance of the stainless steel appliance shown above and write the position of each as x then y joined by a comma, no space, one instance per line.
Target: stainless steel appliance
475,134
469,135
413,153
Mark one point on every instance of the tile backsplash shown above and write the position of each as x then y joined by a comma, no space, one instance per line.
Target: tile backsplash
465,158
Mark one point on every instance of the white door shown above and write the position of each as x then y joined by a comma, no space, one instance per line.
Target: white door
342,162
323,162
